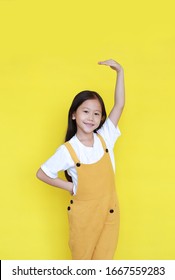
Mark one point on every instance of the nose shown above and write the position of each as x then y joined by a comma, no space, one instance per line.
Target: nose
90,117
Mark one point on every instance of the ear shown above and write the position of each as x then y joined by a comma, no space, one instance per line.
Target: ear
73,116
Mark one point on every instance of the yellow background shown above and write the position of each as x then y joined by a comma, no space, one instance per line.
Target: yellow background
49,52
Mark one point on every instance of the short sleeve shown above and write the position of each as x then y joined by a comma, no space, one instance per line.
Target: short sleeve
109,132
59,161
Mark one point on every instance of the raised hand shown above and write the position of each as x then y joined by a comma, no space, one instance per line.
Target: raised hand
112,63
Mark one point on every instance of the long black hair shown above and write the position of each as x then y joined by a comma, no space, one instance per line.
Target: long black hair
77,101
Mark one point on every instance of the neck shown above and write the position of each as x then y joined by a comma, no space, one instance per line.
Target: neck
87,140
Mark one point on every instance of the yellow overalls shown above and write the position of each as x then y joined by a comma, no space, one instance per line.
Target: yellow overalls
94,211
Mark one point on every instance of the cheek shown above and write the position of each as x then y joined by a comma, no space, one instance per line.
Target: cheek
98,119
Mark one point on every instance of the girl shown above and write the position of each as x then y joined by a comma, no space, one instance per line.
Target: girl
88,161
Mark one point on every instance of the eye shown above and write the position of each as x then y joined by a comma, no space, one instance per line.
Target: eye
97,114
85,111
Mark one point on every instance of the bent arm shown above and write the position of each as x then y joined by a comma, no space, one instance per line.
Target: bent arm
119,94
57,182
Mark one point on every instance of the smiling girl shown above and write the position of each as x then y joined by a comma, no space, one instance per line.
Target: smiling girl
88,161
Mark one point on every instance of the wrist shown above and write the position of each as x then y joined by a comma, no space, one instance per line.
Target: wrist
120,70
70,188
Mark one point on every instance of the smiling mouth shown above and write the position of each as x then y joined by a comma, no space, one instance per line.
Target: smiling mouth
89,124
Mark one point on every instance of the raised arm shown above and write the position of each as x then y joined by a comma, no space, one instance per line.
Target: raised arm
119,95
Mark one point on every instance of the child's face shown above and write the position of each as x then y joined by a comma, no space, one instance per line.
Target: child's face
88,116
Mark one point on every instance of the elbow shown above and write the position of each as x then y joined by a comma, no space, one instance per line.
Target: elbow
42,176
121,106
39,174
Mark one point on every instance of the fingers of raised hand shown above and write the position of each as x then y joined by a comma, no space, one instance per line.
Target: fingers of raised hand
112,63
108,62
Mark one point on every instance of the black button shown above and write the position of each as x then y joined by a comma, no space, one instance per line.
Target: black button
78,164
106,150
71,202
68,208
111,211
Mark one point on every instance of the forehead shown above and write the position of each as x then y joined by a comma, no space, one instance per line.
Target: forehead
92,104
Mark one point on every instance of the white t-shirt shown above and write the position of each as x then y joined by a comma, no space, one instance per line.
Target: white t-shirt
62,160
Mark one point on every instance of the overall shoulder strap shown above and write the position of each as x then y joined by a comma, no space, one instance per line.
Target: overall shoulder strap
102,142
72,152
